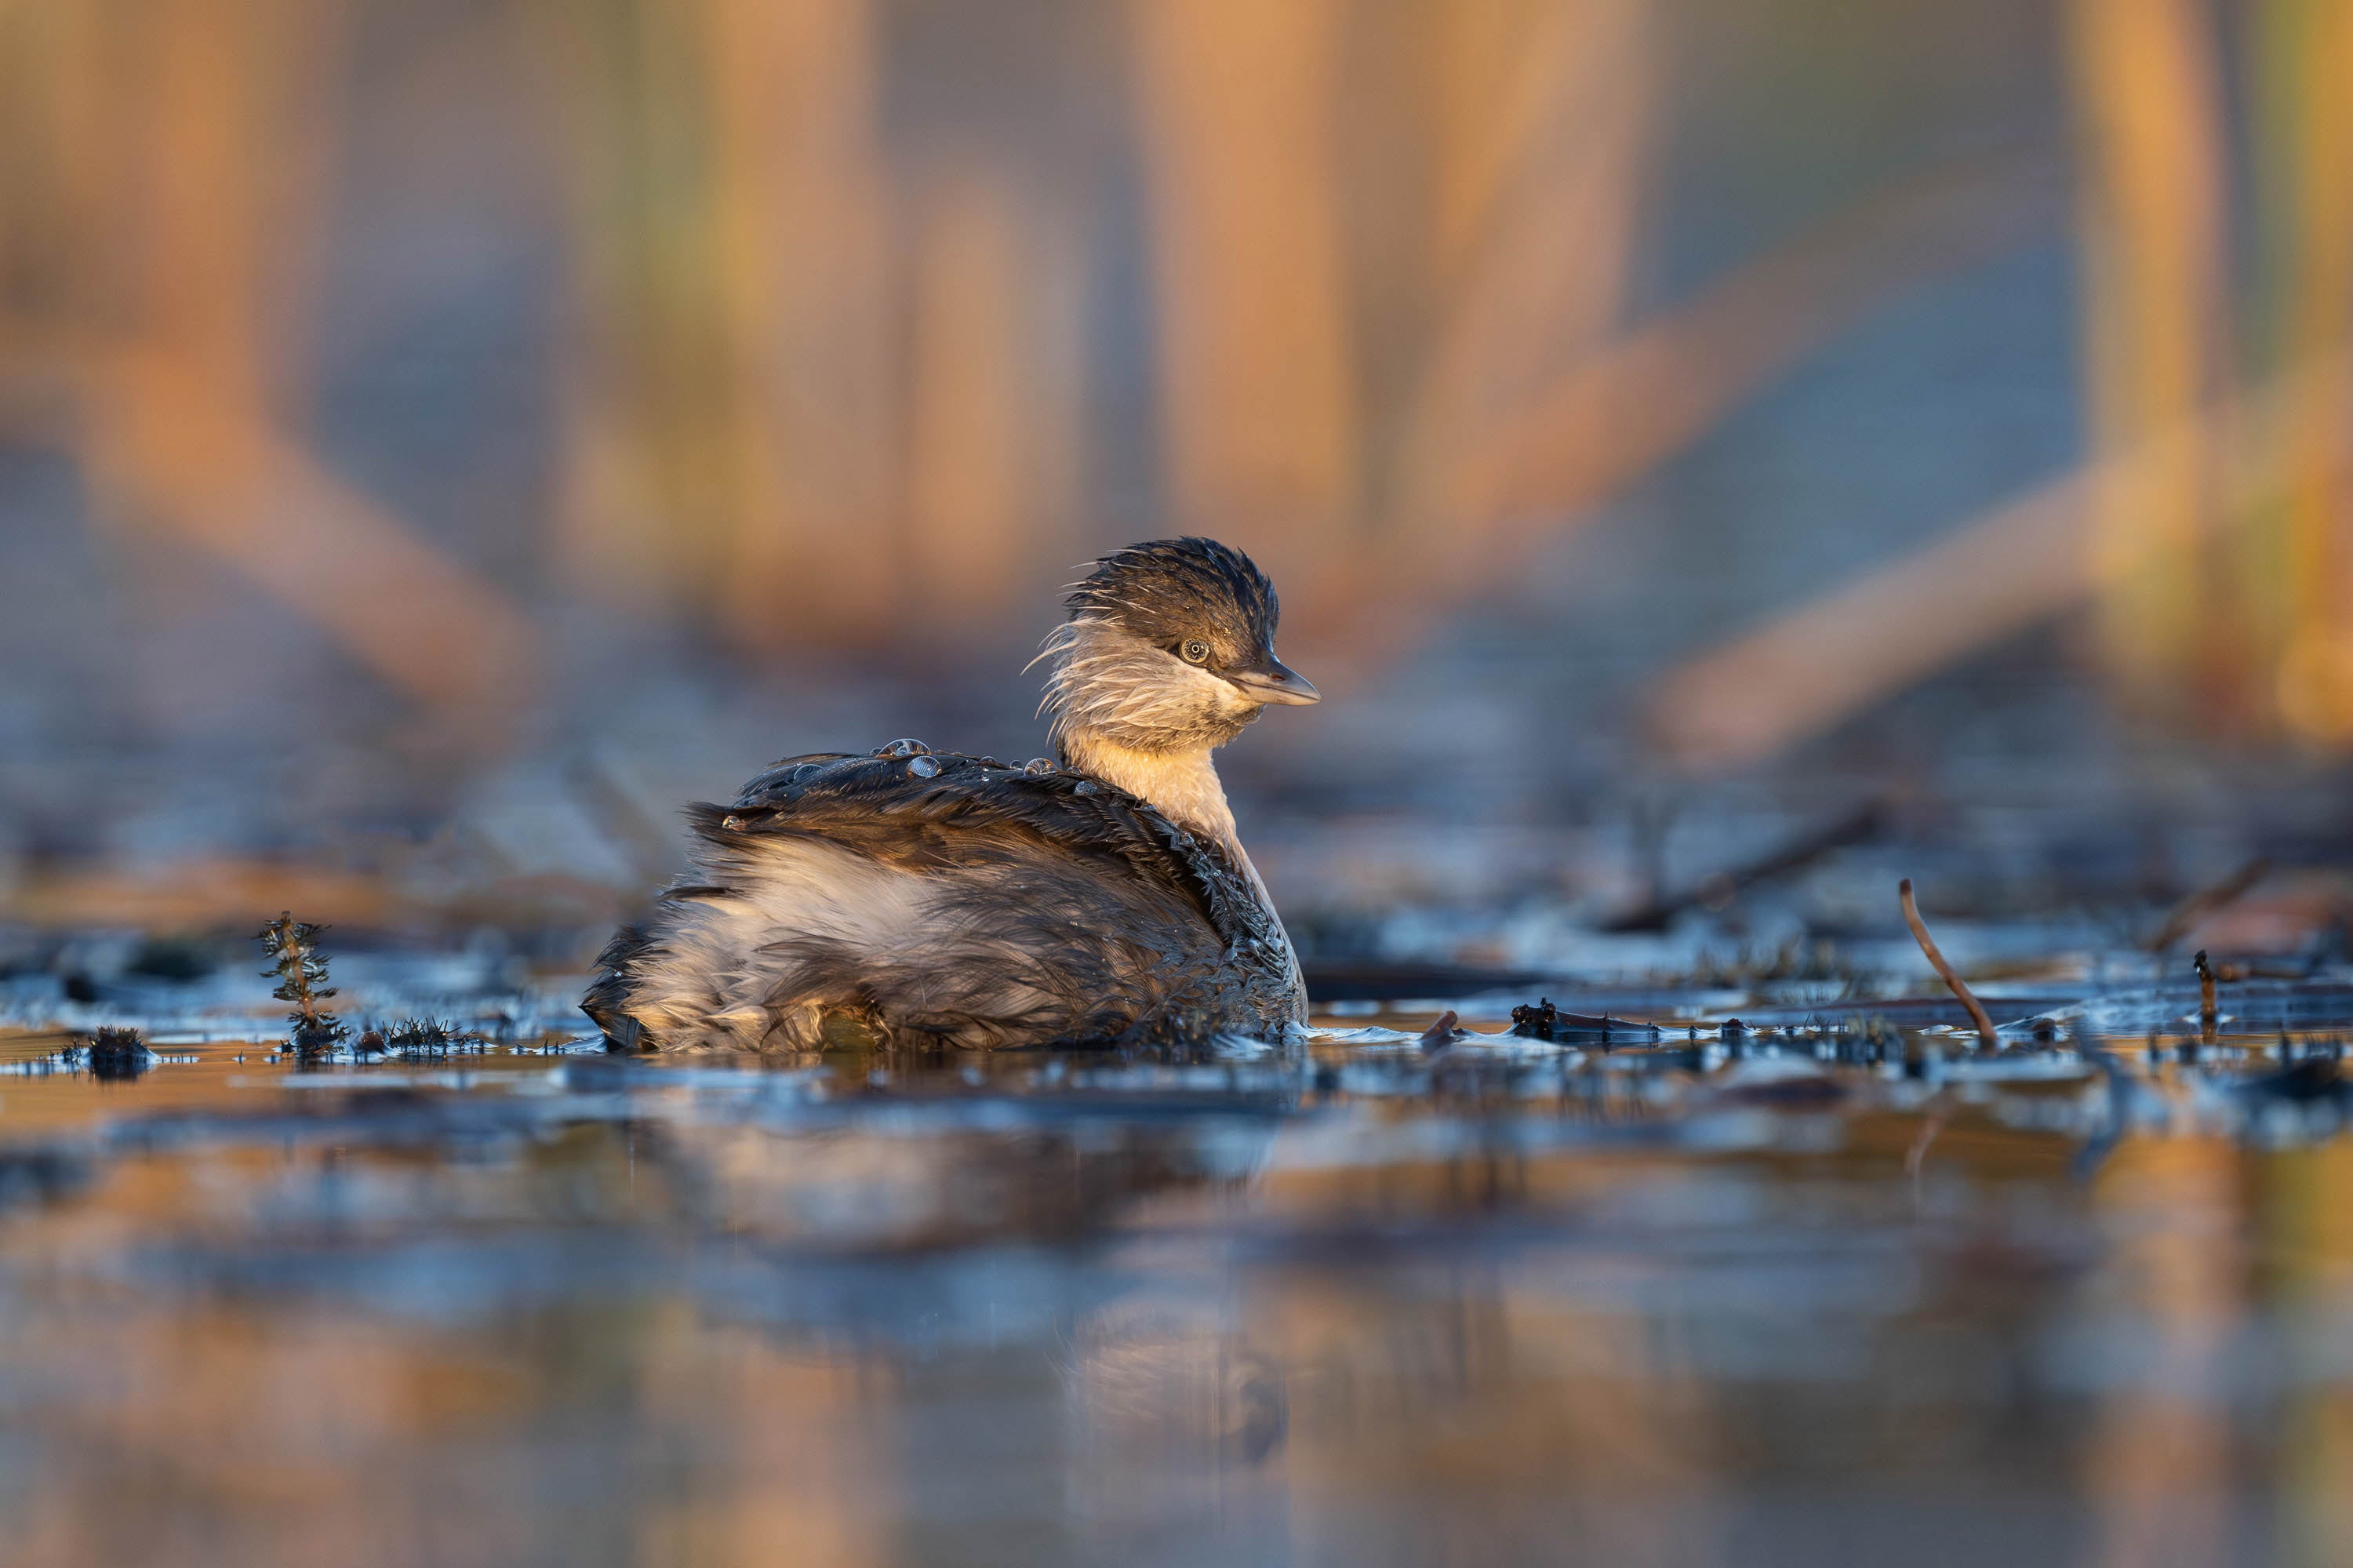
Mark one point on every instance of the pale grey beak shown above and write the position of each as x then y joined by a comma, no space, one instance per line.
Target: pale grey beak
1273,681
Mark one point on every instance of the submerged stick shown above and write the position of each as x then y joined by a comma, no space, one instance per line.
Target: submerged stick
1986,1035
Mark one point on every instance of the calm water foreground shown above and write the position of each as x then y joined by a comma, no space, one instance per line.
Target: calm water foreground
1791,1296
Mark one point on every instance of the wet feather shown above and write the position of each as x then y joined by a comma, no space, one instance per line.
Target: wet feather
934,896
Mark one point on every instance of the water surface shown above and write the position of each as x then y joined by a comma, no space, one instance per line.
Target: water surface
1788,1297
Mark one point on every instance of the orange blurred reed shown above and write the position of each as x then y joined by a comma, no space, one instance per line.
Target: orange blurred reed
2207,527
2228,604
2305,133
163,203
831,373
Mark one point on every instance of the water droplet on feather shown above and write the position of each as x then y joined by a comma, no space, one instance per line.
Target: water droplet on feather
1039,765
905,747
924,767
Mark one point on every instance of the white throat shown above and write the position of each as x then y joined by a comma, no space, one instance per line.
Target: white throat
1182,786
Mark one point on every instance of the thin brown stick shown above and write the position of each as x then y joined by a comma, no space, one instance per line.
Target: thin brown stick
1662,907
2206,901
2208,1012
1986,1035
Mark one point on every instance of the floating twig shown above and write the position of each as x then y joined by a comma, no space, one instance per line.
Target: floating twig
1660,909
1987,1036
302,971
2207,900
1546,1021
2208,1014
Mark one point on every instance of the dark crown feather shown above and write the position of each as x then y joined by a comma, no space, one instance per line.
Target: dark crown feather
1163,590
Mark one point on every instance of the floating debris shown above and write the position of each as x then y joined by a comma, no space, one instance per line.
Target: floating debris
1536,1023
1546,1021
432,1037
112,1054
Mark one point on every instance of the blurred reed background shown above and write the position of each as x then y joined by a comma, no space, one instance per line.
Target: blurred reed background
436,437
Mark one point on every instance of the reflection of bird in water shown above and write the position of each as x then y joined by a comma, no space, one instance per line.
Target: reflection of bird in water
910,894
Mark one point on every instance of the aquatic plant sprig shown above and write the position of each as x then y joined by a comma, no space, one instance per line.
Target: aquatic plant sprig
302,971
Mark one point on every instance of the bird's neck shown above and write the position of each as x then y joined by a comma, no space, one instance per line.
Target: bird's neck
1182,786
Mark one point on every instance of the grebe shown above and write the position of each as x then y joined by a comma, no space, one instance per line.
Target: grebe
918,896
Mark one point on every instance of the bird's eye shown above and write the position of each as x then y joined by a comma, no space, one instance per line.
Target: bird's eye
1195,652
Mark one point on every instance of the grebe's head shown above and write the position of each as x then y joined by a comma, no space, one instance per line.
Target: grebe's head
1169,647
